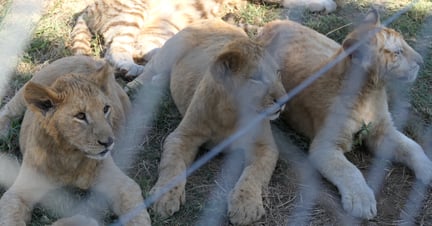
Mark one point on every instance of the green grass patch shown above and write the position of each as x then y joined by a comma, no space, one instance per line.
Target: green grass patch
259,14
4,8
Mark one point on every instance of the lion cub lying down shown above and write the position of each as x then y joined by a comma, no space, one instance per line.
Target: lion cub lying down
352,93
75,109
217,74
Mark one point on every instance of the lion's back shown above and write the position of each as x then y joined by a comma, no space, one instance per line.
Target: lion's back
297,47
209,37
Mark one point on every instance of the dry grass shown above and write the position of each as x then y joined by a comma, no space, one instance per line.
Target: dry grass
292,186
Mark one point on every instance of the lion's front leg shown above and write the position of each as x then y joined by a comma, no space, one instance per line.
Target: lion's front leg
14,108
179,152
404,150
17,203
13,210
358,198
245,203
124,193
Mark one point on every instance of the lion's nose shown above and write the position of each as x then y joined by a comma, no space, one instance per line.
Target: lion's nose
107,142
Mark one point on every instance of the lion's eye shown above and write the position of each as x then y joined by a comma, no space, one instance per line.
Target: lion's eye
106,109
398,52
257,77
279,74
81,116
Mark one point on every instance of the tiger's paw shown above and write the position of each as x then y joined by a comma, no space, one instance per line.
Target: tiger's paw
326,6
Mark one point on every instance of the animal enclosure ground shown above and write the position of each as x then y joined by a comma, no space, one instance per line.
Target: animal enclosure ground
293,196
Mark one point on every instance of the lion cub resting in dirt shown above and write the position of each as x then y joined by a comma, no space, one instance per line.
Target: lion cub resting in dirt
352,93
75,109
217,74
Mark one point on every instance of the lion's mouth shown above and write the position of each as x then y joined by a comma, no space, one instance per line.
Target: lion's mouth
276,114
99,156
411,75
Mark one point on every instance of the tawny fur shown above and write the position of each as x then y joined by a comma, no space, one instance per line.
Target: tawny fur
75,109
337,105
216,75
326,6
132,29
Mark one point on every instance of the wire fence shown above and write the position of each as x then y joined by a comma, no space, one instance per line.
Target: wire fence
141,119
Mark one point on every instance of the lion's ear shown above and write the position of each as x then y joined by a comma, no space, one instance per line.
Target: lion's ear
102,76
356,55
372,17
361,55
40,98
227,64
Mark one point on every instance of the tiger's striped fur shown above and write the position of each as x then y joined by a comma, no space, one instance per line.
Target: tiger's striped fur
132,29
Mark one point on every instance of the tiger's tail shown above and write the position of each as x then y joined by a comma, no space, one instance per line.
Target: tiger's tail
81,37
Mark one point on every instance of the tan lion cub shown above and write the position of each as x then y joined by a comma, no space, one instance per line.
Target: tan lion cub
75,109
217,74
334,108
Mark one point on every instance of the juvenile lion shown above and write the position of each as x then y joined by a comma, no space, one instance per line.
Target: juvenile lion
351,94
75,109
217,74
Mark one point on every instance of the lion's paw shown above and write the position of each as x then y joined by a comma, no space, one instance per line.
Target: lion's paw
359,201
170,202
425,171
245,206
76,220
132,86
5,124
425,175
12,223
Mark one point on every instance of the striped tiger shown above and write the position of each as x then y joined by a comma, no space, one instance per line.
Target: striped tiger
133,29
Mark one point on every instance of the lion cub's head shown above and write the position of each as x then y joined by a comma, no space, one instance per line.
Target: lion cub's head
75,111
386,52
249,73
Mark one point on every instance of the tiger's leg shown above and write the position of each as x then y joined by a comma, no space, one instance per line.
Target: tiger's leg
326,6
245,203
180,149
327,156
12,109
158,69
81,37
120,53
17,202
125,193
394,144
